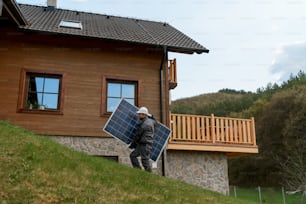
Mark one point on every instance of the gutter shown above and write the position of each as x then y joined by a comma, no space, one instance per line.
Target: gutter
161,102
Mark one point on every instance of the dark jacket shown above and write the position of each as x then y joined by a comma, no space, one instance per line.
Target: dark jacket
145,131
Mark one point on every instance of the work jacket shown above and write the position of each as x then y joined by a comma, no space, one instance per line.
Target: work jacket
145,131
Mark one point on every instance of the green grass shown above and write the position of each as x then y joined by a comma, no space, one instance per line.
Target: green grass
35,169
268,195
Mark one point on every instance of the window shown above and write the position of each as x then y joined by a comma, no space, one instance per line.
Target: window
116,89
70,24
41,92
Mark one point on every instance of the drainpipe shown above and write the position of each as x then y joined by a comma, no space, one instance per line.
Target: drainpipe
161,102
1,5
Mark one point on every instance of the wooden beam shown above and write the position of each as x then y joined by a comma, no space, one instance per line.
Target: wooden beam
214,148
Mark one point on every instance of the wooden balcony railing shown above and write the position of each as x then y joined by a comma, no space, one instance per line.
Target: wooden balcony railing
213,131
172,74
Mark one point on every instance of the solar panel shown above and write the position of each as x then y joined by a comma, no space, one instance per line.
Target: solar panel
122,125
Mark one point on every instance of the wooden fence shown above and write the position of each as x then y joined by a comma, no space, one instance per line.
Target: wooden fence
211,129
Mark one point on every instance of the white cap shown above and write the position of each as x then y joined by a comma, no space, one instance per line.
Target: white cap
143,110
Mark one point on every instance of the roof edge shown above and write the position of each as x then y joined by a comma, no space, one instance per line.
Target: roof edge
169,48
188,51
13,9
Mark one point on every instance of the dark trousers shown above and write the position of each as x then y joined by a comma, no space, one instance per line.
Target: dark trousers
142,150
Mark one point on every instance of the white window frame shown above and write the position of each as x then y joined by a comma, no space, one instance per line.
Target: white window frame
71,24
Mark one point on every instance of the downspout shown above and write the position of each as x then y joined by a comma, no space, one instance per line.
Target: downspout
161,102
1,5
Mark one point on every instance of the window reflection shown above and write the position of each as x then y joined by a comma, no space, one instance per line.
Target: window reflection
43,92
118,90
128,90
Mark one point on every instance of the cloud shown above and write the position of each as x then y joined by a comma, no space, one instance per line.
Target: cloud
289,59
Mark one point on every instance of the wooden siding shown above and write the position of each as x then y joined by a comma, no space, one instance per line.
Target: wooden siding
84,62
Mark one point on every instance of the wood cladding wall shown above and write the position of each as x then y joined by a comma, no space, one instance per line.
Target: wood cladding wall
83,62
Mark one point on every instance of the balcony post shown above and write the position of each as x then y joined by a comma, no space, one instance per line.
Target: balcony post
212,124
253,131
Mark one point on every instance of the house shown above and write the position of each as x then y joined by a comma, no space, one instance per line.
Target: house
62,72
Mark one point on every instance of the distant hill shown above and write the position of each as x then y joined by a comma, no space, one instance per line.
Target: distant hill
35,169
280,121
220,104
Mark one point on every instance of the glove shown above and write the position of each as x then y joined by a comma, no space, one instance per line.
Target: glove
132,145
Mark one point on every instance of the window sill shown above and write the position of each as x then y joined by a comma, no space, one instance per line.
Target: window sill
48,112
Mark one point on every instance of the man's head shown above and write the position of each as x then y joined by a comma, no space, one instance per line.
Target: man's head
143,112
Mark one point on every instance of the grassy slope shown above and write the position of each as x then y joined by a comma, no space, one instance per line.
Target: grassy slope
34,169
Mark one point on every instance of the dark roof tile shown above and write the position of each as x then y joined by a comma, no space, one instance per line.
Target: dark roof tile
109,27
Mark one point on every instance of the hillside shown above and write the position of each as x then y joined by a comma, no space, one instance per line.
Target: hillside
280,121
220,104
34,169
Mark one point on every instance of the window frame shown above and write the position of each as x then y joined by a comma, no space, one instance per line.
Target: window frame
23,91
71,24
122,80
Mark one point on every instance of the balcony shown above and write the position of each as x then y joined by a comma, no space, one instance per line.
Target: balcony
172,74
209,133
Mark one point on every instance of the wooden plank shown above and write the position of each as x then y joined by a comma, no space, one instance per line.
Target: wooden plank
198,127
244,132
231,130
217,137
174,128
184,128
253,131
250,149
222,130
193,129
208,130
213,128
226,130
240,131
202,129
235,131
188,128
249,132
179,127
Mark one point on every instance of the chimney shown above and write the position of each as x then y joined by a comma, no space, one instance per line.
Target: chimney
51,4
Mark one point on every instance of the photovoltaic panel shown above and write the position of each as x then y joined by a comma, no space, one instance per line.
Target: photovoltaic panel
122,125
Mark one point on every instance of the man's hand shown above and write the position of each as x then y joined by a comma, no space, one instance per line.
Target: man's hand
132,145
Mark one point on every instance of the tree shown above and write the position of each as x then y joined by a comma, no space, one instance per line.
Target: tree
293,163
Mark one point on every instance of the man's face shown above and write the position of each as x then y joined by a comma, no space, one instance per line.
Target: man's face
141,115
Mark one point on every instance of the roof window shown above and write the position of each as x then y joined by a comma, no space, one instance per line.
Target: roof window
70,24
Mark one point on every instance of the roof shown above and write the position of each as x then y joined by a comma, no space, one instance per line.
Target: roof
13,10
44,19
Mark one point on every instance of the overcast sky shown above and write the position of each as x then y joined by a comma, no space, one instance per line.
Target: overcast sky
251,42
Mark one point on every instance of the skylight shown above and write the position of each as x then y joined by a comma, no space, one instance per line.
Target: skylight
71,24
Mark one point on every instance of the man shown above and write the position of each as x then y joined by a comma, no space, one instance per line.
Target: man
143,140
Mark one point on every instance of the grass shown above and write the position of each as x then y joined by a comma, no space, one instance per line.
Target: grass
35,169
268,195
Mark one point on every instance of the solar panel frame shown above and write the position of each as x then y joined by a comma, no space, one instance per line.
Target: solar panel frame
122,126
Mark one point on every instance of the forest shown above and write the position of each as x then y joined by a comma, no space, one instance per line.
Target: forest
280,119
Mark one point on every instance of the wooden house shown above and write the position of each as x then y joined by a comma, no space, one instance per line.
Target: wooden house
62,72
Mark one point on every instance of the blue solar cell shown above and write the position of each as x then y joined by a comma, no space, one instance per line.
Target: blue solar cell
122,125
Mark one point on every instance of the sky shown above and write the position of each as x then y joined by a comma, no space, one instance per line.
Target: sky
251,42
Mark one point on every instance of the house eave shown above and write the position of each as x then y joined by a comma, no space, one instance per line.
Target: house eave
187,50
15,12
171,49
